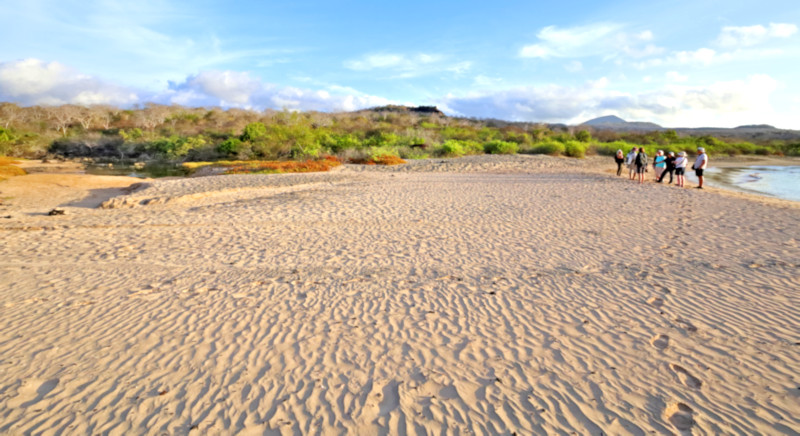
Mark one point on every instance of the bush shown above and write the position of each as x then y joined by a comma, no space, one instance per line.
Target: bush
451,147
254,132
407,152
230,146
131,134
575,149
337,143
553,148
500,147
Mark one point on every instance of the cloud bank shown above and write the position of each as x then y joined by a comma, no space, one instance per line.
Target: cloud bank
406,66
34,82
727,103
748,36
607,40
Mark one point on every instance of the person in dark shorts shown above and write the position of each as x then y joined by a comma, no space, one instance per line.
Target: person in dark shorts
619,158
641,164
680,169
670,167
700,165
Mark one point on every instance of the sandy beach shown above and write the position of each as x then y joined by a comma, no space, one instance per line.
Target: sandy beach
481,295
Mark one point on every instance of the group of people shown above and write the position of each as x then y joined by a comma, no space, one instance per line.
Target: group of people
663,164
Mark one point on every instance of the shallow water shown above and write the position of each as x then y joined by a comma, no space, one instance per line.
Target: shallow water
151,171
774,181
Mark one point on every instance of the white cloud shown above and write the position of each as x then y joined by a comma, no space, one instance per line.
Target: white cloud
748,36
602,39
239,89
403,66
700,57
723,104
34,82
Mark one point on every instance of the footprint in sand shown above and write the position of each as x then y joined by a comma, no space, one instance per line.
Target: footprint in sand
660,341
686,378
31,391
655,302
391,398
680,416
686,324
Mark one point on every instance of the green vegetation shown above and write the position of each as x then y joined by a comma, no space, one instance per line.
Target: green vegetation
175,133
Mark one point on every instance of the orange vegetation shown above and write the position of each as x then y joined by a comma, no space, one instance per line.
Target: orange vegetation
386,159
260,167
7,168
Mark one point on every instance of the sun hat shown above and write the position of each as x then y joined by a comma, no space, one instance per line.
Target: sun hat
672,153
683,153
701,149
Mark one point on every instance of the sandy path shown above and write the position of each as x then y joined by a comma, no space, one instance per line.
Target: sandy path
405,302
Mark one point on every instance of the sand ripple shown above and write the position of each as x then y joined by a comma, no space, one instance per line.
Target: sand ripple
397,301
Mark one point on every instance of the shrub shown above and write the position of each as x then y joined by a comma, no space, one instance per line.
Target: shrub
452,147
552,148
583,136
131,134
337,143
254,132
575,149
412,153
500,147
230,146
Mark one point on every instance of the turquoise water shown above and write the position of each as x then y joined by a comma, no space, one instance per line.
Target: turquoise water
774,181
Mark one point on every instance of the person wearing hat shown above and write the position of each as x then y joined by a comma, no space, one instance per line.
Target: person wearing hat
670,161
700,165
680,169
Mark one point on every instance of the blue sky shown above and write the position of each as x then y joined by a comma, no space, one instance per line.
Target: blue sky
677,63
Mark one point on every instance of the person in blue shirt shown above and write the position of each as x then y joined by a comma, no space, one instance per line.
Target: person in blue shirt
659,164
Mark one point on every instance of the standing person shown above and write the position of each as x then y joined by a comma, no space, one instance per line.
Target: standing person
680,169
619,158
659,164
641,164
670,167
700,165
630,160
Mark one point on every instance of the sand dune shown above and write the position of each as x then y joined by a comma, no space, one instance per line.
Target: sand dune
480,296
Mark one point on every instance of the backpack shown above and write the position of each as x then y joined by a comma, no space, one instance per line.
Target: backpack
641,159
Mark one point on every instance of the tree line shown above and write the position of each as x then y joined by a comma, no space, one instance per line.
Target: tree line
178,133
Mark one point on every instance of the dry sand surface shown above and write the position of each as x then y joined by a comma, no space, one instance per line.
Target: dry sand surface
485,295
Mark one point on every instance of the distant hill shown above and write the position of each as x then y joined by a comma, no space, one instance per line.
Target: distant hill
430,110
612,122
750,132
756,126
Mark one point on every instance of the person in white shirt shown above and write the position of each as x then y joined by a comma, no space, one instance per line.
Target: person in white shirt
630,161
680,169
700,165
